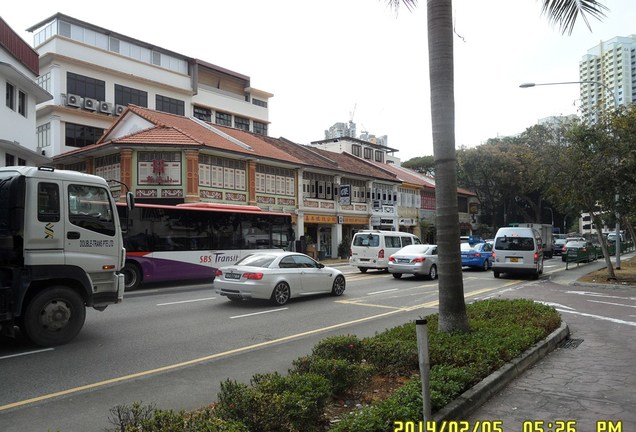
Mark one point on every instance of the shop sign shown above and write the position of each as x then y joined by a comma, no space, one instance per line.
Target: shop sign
322,219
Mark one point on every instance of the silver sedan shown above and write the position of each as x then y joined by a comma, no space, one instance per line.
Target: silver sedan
419,260
277,276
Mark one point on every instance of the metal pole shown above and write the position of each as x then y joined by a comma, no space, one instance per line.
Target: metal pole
425,366
618,238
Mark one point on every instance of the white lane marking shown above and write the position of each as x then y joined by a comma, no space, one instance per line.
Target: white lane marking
258,313
556,305
186,301
604,318
25,353
383,291
593,294
611,303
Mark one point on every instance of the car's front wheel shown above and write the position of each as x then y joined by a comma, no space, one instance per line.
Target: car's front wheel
281,294
486,265
397,275
338,286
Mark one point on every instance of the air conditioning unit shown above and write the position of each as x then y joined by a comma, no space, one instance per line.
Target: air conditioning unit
74,100
119,109
91,104
106,107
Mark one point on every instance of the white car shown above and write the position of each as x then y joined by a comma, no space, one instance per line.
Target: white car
418,260
277,276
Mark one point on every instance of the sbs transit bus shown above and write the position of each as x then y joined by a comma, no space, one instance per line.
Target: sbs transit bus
190,241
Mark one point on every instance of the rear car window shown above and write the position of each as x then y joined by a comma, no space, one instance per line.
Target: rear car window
257,260
514,243
366,240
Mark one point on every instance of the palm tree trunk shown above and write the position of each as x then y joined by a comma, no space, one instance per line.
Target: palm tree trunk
452,306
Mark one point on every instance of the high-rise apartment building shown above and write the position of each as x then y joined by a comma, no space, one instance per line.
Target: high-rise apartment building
608,76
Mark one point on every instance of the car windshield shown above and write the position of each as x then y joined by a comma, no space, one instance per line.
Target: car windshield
513,243
257,260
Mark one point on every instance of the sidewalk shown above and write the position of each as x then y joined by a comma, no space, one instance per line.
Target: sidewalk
590,377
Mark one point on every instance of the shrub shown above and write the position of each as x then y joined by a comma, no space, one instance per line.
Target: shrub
394,351
345,377
347,347
276,403
138,418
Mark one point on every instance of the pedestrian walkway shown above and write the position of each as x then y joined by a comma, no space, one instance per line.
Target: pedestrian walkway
590,379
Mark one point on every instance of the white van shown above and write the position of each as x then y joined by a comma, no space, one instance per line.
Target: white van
517,250
371,249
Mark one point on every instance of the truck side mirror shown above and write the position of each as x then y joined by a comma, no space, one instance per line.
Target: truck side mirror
130,201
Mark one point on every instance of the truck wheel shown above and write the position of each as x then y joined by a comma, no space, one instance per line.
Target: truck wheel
54,316
132,276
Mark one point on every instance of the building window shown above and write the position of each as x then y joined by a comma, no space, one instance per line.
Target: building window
21,162
169,105
379,156
85,86
201,113
275,180
22,103
356,150
43,135
368,153
242,123
44,81
9,159
222,173
108,167
113,44
259,102
260,128
156,58
223,118
81,135
128,95
10,96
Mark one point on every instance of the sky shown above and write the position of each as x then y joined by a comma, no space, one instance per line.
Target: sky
329,61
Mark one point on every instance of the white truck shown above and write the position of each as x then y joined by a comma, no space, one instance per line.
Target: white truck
547,235
61,251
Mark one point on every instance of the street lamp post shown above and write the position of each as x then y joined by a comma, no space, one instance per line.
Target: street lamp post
606,87
551,216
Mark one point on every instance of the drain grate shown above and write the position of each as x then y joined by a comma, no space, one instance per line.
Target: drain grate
570,343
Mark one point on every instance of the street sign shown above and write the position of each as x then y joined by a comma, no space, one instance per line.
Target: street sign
345,194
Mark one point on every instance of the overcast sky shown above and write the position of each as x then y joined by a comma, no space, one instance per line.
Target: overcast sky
328,60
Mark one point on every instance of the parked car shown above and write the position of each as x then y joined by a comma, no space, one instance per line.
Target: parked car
277,276
370,249
418,260
557,246
579,251
477,255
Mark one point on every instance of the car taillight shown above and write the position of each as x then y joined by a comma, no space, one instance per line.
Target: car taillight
418,259
381,253
218,272
563,249
536,257
392,258
253,276
493,256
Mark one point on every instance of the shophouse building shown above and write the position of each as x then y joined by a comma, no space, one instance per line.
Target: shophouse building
171,159
18,71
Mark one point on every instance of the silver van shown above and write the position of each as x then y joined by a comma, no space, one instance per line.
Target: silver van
517,250
371,249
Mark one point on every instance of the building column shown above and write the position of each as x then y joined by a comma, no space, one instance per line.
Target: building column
251,182
192,175
126,170
90,164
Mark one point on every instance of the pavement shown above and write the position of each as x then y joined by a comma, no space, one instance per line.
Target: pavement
582,378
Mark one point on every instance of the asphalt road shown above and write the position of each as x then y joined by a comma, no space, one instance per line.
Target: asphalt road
172,346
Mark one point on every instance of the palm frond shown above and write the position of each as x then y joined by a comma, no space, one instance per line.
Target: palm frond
565,12
395,4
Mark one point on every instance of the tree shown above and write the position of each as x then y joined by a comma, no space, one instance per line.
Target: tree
422,164
452,306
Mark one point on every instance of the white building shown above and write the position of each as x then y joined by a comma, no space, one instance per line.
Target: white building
611,63
18,71
93,73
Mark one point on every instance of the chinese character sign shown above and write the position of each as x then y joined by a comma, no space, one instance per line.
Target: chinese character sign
345,194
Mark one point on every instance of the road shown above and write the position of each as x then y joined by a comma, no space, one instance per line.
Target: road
172,346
